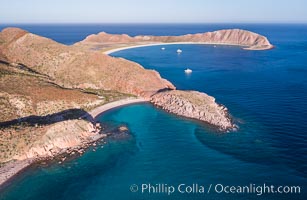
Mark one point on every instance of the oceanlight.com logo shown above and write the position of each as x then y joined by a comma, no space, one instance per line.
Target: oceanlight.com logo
196,188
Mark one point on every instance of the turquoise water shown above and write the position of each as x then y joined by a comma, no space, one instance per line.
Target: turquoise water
265,92
172,154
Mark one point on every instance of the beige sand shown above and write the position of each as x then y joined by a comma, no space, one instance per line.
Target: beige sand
161,44
99,110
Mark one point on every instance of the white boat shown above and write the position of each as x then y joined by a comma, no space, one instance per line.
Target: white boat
179,51
188,71
162,48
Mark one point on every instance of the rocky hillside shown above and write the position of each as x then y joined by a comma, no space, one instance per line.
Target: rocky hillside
23,94
39,118
194,105
31,142
72,67
247,39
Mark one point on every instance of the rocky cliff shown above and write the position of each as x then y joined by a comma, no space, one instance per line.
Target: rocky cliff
196,105
46,141
247,39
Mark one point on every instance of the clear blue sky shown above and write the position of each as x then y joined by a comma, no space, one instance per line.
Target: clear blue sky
153,11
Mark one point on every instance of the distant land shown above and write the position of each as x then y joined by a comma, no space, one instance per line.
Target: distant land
248,40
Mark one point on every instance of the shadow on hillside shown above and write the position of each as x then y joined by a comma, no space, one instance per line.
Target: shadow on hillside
162,90
4,62
34,120
23,68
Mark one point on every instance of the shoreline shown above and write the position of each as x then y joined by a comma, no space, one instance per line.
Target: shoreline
11,169
132,46
115,104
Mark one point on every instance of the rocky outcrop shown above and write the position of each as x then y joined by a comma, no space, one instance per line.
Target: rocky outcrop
28,142
247,39
60,137
74,67
194,105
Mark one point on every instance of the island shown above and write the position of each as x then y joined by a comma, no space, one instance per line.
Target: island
51,93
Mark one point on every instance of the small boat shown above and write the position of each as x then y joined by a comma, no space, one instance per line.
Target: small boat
162,48
179,51
188,71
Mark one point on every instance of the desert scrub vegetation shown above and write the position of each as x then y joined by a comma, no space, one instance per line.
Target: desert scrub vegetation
25,93
4,72
17,138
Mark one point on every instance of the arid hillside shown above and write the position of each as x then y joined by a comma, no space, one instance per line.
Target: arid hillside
24,93
39,118
73,67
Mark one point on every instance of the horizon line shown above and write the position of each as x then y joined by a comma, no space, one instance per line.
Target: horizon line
144,23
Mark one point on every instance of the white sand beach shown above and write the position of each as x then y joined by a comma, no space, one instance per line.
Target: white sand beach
131,46
147,45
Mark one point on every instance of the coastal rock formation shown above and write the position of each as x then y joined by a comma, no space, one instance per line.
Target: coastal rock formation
60,137
247,39
196,105
30,142
73,67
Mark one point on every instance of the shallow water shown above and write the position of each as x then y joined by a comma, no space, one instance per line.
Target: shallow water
266,94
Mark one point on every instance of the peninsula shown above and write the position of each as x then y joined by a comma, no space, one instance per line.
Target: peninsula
50,93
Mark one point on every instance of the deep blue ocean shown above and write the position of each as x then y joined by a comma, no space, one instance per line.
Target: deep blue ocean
265,92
